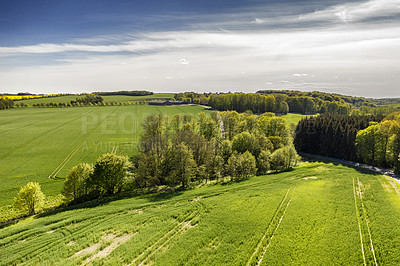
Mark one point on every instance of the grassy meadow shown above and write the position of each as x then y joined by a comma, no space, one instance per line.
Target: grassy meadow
42,144
317,214
294,118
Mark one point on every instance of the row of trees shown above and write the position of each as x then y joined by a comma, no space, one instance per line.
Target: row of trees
184,150
322,96
379,144
126,93
277,103
331,135
6,103
112,103
241,102
88,99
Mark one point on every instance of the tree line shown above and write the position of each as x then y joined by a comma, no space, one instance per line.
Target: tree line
277,103
88,99
379,143
127,93
332,135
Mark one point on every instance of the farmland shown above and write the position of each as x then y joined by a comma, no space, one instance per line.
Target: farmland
316,214
109,98
42,144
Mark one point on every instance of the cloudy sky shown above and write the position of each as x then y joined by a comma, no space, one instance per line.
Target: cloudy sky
347,47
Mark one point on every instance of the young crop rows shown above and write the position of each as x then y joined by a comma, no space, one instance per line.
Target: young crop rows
317,214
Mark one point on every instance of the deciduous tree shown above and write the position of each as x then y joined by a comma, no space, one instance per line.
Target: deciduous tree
29,198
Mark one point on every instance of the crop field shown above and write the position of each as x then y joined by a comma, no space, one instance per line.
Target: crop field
109,98
318,214
19,97
42,144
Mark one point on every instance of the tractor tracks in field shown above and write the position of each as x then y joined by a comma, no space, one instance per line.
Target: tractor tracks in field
264,243
26,143
144,257
364,228
60,166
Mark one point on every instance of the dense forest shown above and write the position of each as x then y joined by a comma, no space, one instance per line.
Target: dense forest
183,151
332,135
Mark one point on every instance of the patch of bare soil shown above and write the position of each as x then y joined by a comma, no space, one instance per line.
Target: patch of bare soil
116,242
310,177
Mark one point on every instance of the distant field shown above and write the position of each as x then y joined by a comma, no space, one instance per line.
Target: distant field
38,143
317,214
18,97
294,118
116,98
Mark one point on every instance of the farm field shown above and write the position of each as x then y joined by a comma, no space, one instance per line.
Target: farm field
109,98
319,214
42,144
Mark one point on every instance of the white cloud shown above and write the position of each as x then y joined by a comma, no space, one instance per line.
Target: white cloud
351,12
259,21
183,61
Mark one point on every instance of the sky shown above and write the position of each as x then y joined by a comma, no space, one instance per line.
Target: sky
74,46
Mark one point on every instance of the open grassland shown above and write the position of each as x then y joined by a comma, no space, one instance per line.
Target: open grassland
109,98
295,118
42,144
317,214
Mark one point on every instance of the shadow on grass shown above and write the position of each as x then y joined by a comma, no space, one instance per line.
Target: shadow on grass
337,162
149,194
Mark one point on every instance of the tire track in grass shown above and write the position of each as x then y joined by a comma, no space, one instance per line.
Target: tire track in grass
53,175
51,244
37,138
363,221
359,222
265,241
366,220
163,240
394,186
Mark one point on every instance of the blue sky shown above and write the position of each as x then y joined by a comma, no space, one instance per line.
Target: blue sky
348,47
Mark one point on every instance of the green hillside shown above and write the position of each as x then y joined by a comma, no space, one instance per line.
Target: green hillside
319,214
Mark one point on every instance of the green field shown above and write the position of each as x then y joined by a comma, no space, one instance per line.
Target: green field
111,98
42,144
317,214
295,118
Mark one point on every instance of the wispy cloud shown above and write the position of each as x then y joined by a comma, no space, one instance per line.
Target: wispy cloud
254,53
353,12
